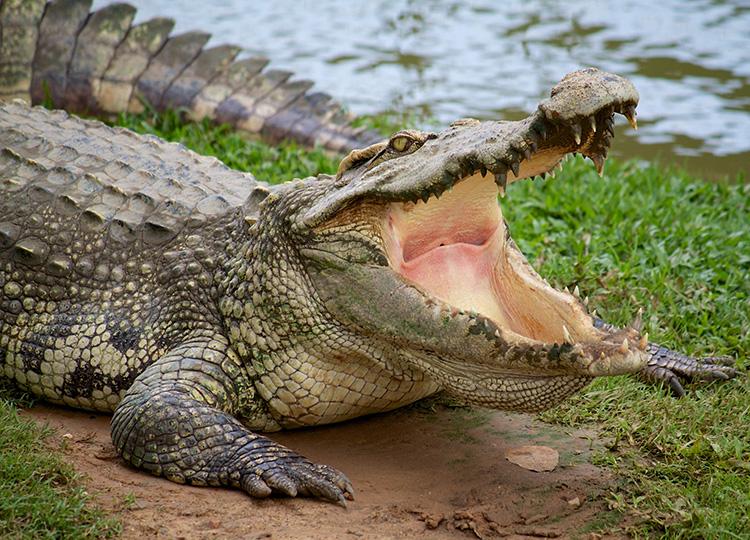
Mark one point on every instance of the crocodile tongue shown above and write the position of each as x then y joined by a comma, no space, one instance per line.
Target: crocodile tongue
450,245
461,275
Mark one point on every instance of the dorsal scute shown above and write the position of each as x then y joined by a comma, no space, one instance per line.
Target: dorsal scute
104,175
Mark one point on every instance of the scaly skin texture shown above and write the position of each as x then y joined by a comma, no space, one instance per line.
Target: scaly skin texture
199,304
100,63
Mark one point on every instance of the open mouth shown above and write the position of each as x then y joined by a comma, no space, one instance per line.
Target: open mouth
433,209
454,246
456,249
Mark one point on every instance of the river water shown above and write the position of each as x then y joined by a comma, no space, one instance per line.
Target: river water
689,59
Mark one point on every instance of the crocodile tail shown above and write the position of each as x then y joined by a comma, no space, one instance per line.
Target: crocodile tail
100,63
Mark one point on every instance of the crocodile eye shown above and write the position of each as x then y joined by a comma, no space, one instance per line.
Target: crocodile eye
400,143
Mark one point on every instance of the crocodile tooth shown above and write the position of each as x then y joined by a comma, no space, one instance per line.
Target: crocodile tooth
566,335
586,301
514,166
598,160
483,170
576,129
594,314
628,111
624,346
577,292
567,291
592,122
501,179
644,342
638,322
497,334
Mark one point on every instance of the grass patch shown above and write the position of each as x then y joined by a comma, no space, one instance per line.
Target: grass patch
646,237
40,495
680,248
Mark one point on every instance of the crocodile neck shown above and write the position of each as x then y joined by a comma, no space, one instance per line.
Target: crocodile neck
308,368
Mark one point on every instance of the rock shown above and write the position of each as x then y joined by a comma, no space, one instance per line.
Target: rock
534,458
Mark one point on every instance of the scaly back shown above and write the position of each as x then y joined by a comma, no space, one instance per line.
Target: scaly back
80,180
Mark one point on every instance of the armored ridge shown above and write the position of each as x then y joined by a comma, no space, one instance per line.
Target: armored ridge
99,63
198,304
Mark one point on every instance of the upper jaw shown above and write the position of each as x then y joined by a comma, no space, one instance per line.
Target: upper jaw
578,117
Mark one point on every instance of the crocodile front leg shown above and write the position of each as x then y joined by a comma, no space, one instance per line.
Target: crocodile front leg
668,366
174,422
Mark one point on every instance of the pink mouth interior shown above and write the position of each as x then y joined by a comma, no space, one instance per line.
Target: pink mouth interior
454,248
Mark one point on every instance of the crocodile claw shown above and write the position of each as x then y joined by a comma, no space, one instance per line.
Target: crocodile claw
295,475
672,367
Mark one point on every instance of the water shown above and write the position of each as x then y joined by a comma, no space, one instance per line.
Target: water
690,60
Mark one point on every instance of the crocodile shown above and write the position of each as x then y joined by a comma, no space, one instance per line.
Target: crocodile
99,63
201,306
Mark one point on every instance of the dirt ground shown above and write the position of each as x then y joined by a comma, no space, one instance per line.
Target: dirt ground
417,474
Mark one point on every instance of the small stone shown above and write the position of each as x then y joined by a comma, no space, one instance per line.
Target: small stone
432,521
575,502
534,458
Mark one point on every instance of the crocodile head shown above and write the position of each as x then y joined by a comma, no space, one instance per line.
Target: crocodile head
407,245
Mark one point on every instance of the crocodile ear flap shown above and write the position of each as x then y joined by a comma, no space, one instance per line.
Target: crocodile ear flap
357,157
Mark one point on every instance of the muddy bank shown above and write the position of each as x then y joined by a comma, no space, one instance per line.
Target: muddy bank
418,474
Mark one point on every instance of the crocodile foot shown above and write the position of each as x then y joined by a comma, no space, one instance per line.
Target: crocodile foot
295,475
669,366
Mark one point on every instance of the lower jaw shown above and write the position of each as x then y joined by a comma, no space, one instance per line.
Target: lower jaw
495,280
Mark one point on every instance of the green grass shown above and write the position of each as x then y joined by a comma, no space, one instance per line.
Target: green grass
650,237
656,238
40,495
